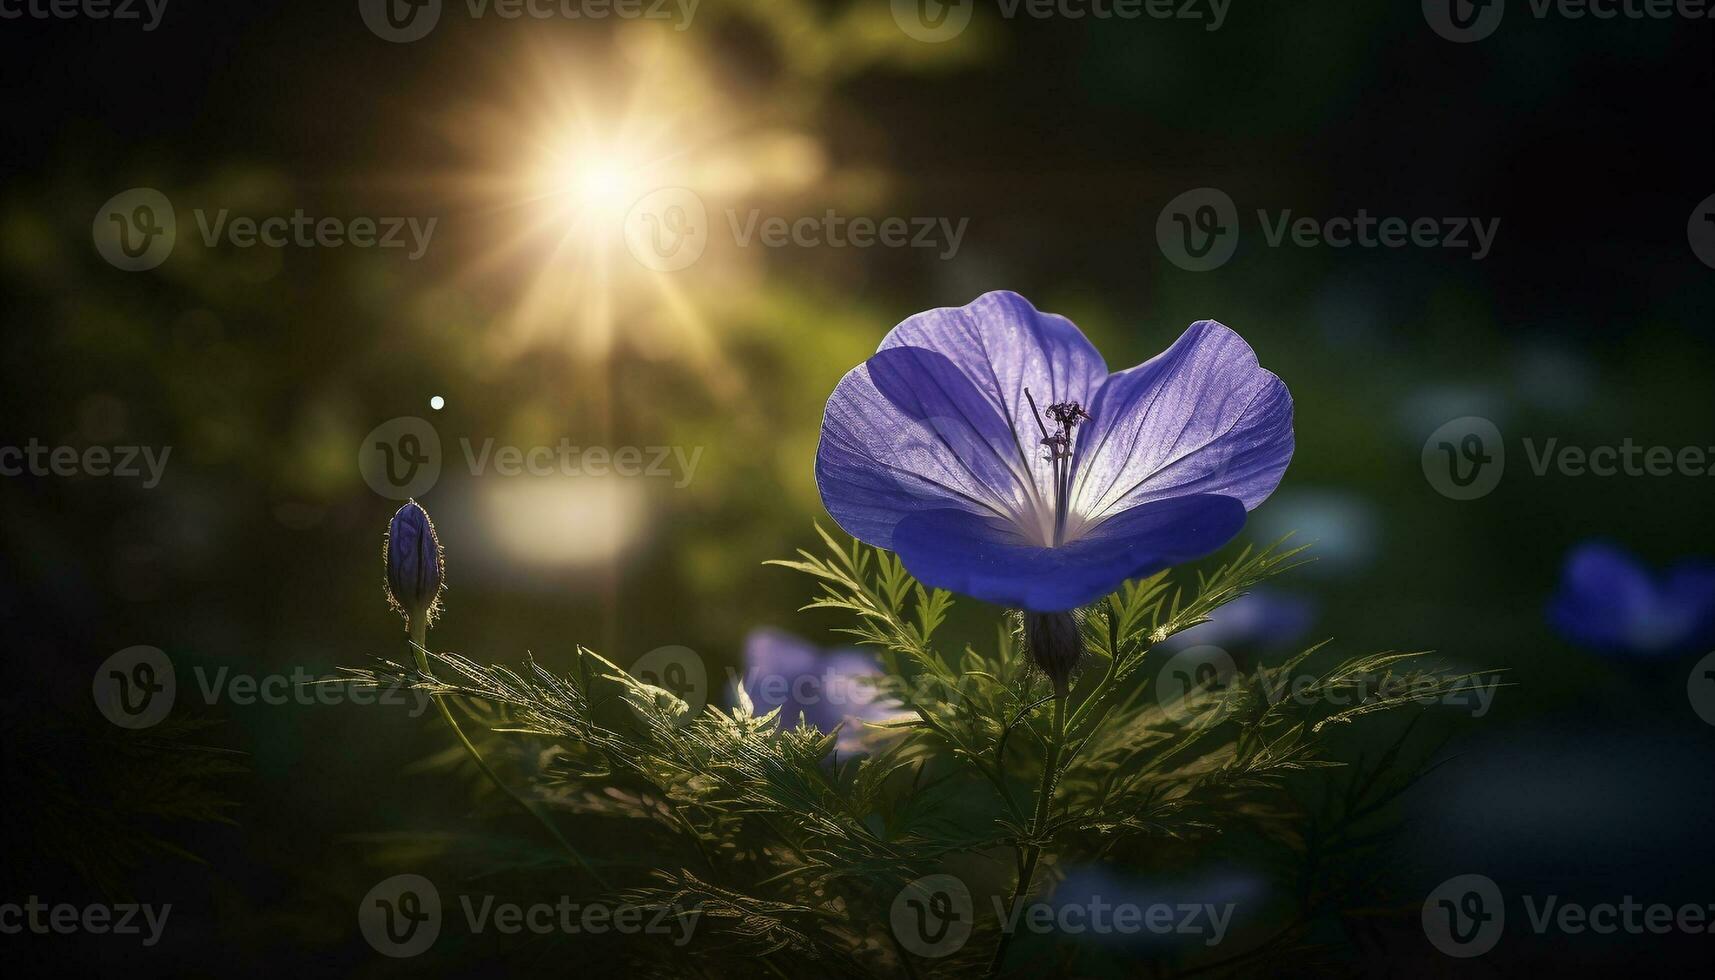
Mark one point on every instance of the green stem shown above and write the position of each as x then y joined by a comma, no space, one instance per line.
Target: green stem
1108,677
420,649
1033,851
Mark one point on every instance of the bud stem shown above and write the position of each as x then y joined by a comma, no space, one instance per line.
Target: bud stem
1044,800
420,650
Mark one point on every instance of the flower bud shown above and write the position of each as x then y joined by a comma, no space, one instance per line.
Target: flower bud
415,568
1056,645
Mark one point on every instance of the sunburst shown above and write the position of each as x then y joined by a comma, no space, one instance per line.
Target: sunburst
562,157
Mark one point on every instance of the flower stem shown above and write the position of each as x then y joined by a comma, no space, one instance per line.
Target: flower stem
420,649
1096,697
1033,851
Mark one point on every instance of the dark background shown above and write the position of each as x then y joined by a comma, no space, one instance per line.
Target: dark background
1060,140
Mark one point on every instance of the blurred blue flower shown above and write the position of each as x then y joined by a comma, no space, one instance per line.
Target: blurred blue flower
1344,528
991,449
1554,378
1425,406
1609,601
1264,620
826,687
1223,898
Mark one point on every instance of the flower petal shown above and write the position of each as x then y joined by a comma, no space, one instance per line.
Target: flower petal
1201,417
907,430
988,559
1005,345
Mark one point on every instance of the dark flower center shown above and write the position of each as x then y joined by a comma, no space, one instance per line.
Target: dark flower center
1066,416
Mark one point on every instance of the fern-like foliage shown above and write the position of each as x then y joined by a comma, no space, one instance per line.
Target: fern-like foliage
782,852
105,801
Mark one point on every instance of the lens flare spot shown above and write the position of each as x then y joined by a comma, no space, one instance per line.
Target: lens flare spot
564,521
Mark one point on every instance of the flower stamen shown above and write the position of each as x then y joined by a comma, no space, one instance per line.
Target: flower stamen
1066,416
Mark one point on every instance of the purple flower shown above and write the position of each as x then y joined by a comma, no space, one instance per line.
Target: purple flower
827,688
989,447
1610,601
415,569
